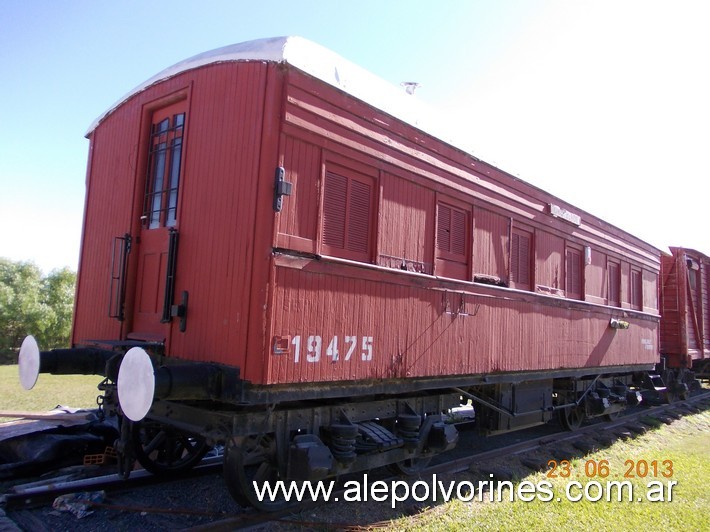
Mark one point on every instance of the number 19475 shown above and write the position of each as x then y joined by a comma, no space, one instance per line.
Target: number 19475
314,349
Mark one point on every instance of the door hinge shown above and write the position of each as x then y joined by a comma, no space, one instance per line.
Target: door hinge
281,188
180,311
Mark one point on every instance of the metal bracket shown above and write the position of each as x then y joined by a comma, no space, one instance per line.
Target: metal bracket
170,275
119,267
180,311
281,188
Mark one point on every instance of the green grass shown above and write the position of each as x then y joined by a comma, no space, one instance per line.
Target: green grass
685,442
77,391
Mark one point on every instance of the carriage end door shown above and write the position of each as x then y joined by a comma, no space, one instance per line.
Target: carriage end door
158,236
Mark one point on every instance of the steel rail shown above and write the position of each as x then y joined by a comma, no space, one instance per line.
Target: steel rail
40,493
459,465
37,494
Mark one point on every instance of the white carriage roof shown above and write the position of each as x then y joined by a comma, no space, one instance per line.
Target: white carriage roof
327,66
312,59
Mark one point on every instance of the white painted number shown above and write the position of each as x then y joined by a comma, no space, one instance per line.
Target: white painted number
367,348
332,350
352,340
314,348
296,348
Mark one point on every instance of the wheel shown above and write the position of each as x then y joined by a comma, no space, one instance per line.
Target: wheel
676,385
572,417
410,466
613,416
161,449
252,460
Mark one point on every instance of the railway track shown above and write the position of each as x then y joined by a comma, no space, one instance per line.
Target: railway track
20,499
42,492
604,433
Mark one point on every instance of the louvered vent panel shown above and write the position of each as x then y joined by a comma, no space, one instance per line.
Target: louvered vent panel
520,259
614,285
636,290
443,238
334,203
514,260
359,216
574,270
524,257
458,232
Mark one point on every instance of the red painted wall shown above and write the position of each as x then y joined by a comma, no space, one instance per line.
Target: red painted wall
393,315
418,327
222,232
415,326
685,328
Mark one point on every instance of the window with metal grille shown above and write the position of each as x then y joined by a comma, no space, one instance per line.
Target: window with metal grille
164,165
574,286
636,290
521,259
614,273
347,216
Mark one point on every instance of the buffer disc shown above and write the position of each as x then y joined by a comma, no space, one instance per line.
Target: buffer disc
29,362
136,384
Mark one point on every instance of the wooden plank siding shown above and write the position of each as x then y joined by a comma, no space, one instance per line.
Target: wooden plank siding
428,329
267,288
300,212
423,336
491,245
406,237
685,307
218,220
550,264
371,136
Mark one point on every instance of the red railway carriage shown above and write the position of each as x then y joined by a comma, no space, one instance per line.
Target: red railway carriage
382,220
685,306
304,270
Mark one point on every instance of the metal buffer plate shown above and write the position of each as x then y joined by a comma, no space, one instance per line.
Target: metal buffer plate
136,384
29,362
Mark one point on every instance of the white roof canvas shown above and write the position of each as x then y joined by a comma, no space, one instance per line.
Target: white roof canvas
312,59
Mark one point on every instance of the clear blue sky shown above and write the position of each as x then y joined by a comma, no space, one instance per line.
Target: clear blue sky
603,103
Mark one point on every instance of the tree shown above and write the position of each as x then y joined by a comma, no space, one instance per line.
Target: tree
58,295
32,304
21,309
